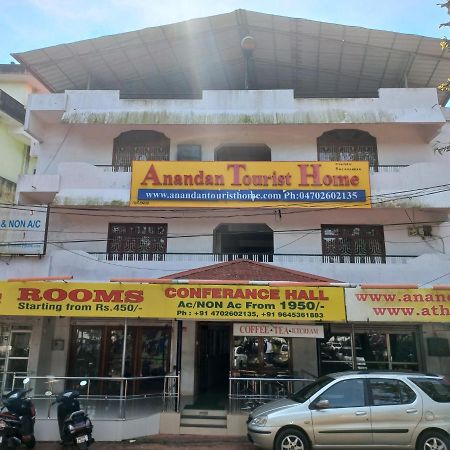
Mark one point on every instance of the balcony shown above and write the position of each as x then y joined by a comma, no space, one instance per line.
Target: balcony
103,184
11,107
278,259
86,184
242,107
37,189
419,185
396,269
390,168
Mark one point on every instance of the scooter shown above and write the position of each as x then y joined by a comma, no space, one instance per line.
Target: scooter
75,427
17,422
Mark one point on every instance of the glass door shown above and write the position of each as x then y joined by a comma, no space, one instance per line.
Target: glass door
14,354
114,357
403,351
98,351
151,360
374,348
388,351
384,349
4,345
85,358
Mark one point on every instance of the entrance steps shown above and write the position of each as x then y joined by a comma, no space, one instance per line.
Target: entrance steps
203,421
207,422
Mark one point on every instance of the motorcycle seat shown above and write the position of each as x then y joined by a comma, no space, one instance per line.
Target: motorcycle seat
77,415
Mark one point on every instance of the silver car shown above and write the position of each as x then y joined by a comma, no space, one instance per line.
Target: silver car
358,410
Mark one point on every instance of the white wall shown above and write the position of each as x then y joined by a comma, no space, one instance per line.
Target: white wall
436,364
188,358
297,231
93,143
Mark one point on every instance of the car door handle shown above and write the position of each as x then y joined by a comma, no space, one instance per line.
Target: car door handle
360,413
411,411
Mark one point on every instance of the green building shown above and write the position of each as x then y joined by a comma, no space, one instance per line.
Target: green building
16,145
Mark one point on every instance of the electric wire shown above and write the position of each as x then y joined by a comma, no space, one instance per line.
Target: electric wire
229,233
388,197
384,198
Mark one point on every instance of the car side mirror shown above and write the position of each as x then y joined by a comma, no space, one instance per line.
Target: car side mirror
322,404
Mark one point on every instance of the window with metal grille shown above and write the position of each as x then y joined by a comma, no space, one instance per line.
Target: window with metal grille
353,244
137,241
348,145
139,145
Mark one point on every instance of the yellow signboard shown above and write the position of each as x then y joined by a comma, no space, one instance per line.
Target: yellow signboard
246,184
173,301
397,305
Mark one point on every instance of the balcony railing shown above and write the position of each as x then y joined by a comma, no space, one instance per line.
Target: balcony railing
107,397
246,393
278,258
12,107
109,168
390,168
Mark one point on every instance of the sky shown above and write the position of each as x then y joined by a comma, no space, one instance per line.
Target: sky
32,24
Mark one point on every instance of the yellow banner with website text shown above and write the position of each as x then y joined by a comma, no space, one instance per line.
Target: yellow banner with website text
398,305
173,301
247,184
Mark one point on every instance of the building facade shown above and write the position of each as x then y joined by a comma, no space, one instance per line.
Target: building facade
261,214
16,83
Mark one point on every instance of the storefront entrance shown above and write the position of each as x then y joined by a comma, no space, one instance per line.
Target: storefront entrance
213,359
375,348
102,351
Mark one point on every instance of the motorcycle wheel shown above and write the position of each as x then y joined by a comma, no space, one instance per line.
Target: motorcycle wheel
31,443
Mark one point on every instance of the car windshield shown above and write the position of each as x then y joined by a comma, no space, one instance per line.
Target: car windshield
307,391
437,388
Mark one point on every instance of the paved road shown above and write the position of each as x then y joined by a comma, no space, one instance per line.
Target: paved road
166,442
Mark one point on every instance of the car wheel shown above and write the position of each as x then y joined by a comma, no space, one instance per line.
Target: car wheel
292,439
433,440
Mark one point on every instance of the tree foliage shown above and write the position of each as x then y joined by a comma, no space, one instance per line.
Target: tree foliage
445,45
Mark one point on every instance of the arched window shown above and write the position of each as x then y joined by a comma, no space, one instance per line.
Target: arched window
243,152
348,145
139,145
244,241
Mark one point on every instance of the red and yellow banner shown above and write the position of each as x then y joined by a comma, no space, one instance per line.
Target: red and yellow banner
173,301
397,305
250,184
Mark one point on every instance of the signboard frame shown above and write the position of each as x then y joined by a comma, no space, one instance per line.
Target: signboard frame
249,184
214,302
24,229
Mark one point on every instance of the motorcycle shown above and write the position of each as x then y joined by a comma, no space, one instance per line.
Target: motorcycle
75,427
17,422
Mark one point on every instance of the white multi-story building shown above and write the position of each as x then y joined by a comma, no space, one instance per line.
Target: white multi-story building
284,175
